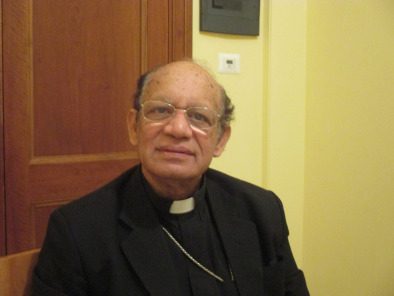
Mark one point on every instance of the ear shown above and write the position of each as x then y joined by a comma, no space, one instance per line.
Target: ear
132,126
222,141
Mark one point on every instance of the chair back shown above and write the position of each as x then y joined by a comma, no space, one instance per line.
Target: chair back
16,273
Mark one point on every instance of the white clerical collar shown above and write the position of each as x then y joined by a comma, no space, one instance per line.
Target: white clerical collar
182,206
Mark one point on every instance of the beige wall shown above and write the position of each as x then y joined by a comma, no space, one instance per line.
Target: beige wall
349,170
315,123
285,111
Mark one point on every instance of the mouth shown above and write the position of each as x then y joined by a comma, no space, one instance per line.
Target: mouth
181,151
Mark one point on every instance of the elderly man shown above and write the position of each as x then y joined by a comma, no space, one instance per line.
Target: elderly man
172,226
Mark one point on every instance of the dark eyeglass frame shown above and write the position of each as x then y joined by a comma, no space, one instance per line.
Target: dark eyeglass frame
194,123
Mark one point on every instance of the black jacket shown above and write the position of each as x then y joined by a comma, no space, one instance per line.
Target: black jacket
110,242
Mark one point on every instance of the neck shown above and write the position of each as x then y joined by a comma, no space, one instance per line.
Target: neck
174,189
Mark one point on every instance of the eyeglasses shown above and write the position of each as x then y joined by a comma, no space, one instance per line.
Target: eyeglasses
201,118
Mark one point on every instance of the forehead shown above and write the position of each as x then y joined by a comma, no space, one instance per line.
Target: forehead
183,82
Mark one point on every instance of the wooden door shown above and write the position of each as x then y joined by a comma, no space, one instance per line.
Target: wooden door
69,70
2,196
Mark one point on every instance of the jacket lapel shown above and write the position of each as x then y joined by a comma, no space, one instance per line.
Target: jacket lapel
240,242
144,246
148,256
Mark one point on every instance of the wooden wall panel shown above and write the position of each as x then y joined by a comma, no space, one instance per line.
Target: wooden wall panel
157,32
2,181
16,50
83,70
169,35
180,28
69,74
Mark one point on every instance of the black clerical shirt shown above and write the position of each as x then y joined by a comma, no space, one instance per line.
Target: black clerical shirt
197,234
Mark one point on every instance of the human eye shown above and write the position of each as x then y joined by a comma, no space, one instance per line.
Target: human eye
158,110
161,110
200,117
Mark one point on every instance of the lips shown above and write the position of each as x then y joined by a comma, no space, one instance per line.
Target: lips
175,150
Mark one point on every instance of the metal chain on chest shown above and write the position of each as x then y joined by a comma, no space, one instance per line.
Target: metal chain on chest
191,258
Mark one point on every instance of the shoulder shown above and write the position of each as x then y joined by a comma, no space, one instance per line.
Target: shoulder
104,200
237,188
90,220
250,201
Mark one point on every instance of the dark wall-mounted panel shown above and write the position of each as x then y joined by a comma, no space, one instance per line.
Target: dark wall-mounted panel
239,17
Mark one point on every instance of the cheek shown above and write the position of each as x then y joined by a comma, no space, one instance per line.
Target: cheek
148,135
145,142
207,146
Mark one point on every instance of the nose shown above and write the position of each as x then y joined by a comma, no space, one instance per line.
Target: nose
179,126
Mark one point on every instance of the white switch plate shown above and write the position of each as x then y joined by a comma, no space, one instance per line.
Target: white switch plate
229,63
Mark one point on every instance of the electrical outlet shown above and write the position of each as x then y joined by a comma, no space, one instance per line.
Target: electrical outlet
229,63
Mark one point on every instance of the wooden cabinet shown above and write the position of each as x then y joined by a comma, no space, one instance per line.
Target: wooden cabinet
69,72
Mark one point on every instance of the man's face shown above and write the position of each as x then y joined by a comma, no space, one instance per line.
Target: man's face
173,150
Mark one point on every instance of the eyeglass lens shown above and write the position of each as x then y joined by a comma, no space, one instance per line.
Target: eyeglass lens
199,117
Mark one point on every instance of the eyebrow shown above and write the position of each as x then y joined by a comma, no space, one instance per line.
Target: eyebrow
170,101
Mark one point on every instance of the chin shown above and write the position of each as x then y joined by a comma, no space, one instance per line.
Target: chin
176,172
